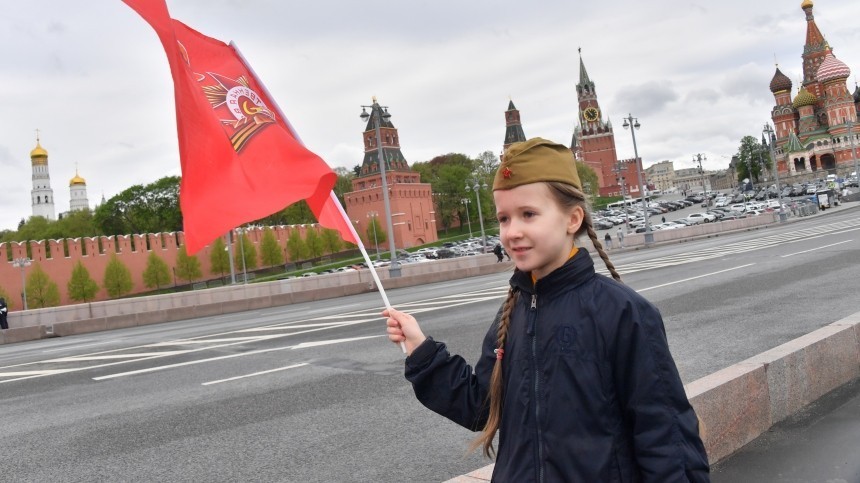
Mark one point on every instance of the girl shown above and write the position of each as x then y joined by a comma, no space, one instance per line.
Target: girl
575,372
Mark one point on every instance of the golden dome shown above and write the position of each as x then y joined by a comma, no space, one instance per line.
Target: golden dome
40,153
806,4
804,98
77,180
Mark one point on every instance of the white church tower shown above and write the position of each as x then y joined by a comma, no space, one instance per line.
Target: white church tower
78,193
42,195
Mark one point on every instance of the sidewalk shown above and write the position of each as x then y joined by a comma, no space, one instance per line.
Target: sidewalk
820,443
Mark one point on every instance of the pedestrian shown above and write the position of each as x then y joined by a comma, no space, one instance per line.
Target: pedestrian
4,311
498,251
620,235
575,373
663,218
607,241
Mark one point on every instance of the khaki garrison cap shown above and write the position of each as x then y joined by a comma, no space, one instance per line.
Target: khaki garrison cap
534,161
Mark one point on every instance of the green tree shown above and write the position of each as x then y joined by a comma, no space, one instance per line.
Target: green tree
81,286
753,158
343,184
77,224
588,178
270,251
152,208
219,259
187,266
374,233
41,290
296,246
157,273
250,253
117,280
332,243
4,295
314,243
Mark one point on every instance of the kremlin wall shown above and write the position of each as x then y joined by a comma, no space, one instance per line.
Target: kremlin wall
58,257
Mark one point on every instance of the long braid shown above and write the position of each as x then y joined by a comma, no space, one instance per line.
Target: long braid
494,394
600,251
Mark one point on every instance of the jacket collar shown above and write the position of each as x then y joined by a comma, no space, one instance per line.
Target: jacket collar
573,273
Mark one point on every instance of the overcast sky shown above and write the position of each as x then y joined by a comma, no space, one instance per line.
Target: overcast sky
93,77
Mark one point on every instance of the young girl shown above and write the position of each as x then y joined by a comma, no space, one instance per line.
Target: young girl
575,372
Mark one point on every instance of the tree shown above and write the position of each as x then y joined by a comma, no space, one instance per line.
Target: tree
152,208
4,295
314,243
588,178
753,157
332,243
157,273
219,259
81,286
374,232
296,246
41,290
250,253
117,280
270,251
187,266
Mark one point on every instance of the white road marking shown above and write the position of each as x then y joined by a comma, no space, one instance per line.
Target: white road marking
230,356
255,374
26,374
693,278
115,356
816,248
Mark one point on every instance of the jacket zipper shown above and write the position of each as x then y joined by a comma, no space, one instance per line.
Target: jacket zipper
537,386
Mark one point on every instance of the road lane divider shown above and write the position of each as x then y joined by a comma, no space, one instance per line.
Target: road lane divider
694,278
219,381
816,248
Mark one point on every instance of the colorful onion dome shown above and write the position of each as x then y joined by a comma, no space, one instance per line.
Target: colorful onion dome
832,68
780,82
804,98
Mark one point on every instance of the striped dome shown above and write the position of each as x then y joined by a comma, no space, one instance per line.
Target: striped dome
804,98
832,68
780,82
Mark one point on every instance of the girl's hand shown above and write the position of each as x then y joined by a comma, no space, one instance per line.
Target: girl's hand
402,327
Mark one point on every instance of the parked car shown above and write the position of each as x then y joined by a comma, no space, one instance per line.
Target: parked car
701,217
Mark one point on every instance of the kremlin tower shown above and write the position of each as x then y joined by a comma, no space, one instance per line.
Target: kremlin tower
41,196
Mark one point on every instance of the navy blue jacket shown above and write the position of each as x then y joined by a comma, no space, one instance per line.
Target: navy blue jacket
591,391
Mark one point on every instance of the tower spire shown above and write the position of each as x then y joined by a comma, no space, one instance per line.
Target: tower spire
583,74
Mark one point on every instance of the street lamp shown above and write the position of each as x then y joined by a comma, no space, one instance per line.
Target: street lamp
698,158
853,153
378,114
22,262
372,216
628,122
768,132
466,202
241,231
477,186
623,181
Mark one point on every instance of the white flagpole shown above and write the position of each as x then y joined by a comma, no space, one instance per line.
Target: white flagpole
331,193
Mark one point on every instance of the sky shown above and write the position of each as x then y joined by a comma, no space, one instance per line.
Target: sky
93,78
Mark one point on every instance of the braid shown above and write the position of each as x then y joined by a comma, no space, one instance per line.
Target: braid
596,242
494,394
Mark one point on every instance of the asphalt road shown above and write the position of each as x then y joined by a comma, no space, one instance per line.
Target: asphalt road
314,392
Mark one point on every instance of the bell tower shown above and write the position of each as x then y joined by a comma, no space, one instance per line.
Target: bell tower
41,196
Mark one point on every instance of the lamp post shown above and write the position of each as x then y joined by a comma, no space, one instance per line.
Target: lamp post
466,202
633,123
378,115
372,216
229,249
477,186
768,132
697,158
241,232
622,181
22,262
853,153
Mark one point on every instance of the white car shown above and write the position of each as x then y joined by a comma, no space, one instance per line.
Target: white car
722,201
701,218
739,207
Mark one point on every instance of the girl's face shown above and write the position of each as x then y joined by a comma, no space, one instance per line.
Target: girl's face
535,230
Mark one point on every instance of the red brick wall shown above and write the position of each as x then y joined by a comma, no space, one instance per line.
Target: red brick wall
95,253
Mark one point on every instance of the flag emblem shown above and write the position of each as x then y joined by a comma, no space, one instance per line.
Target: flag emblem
249,111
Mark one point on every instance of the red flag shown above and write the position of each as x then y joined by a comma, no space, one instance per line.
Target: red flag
240,160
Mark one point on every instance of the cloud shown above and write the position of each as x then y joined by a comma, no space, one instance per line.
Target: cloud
647,98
